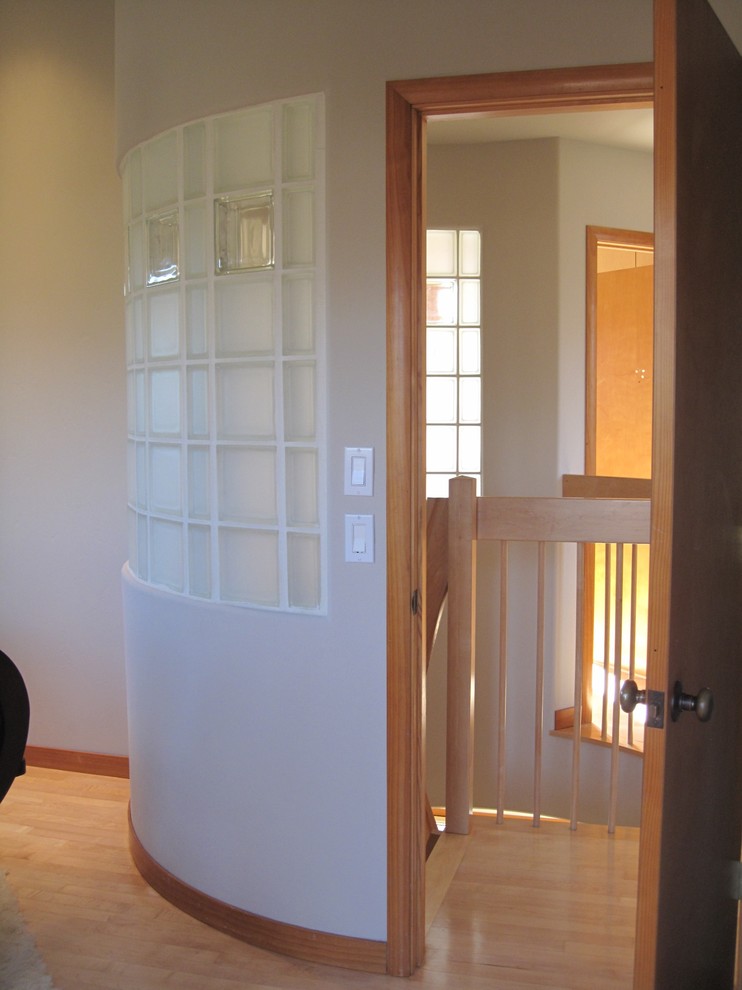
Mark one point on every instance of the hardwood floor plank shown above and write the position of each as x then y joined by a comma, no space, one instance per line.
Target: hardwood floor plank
526,908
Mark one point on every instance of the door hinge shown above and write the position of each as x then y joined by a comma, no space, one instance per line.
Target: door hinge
735,881
415,602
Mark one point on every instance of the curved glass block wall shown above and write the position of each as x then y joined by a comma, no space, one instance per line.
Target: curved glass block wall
224,319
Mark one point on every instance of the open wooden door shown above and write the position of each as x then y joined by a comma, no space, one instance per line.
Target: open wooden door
692,801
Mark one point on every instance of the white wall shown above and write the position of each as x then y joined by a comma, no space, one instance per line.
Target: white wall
62,396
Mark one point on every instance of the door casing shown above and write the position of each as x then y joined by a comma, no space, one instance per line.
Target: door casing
409,104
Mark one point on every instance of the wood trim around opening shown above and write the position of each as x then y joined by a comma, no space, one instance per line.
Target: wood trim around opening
409,103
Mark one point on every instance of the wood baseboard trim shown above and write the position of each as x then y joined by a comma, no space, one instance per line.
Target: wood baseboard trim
343,951
103,764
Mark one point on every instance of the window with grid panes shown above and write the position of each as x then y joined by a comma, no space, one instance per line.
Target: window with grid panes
454,384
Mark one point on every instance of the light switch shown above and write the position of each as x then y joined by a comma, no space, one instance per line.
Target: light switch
359,471
359,538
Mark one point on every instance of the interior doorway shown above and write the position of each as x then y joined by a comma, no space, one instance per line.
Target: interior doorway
409,105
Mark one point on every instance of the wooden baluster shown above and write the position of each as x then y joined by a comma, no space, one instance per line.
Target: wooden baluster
617,659
539,713
462,531
606,639
577,728
632,638
502,692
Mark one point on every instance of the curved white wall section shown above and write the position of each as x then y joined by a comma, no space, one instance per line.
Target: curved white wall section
225,324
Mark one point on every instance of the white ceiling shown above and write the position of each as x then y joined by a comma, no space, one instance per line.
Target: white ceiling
631,129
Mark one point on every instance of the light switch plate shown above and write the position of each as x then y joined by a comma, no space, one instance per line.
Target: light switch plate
359,539
359,471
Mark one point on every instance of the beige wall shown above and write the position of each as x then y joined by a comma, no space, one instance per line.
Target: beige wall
62,422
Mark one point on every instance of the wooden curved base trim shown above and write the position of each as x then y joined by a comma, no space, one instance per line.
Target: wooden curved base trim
277,936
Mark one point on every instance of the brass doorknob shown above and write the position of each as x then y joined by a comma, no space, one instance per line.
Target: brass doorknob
702,703
630,696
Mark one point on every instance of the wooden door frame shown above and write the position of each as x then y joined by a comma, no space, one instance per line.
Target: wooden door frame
409,103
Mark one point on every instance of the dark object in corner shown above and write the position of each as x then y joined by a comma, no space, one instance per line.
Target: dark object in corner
14,717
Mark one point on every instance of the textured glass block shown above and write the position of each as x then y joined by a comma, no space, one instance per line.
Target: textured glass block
243,233
440,400
163,250
140,404
136,256
304,570
132,541
244,317
165,401
298,314
198,402
134,331
301,487
134,176
469,351
441,252
440,449
436,485
470,400
196,326
245,404
143,548
166,554
131,472
247,484
298,227
160,171
243,149
131,401
199,483
164,479
248,566
196,240
199,561
298,141
469,301
470,449
299,401
469,253
164,324
142,481
194,160
442,301
441,352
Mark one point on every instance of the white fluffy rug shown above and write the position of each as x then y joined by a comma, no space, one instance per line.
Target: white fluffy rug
21,966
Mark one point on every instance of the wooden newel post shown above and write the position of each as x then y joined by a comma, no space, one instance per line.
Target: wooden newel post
462,556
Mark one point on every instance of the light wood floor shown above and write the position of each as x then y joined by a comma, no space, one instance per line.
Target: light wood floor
527,908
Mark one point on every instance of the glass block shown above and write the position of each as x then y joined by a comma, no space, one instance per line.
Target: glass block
436,485
470,351
199,561
298,315
442,302
298,227
196,326
164,479
160,171
166,553
140,404
247,484
248,566
244,317
198,402
301,487
194,160
131,542
304,570
143,548
134,176
441,352
134,331
199,483
441,252
470,449
136,256
243,234
469,301
196,240
163,251
243,149
440,449
298,141
440,400
131,472
469,253
164,324
165,401
470,400
299,401
245,404
131,401
142,483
